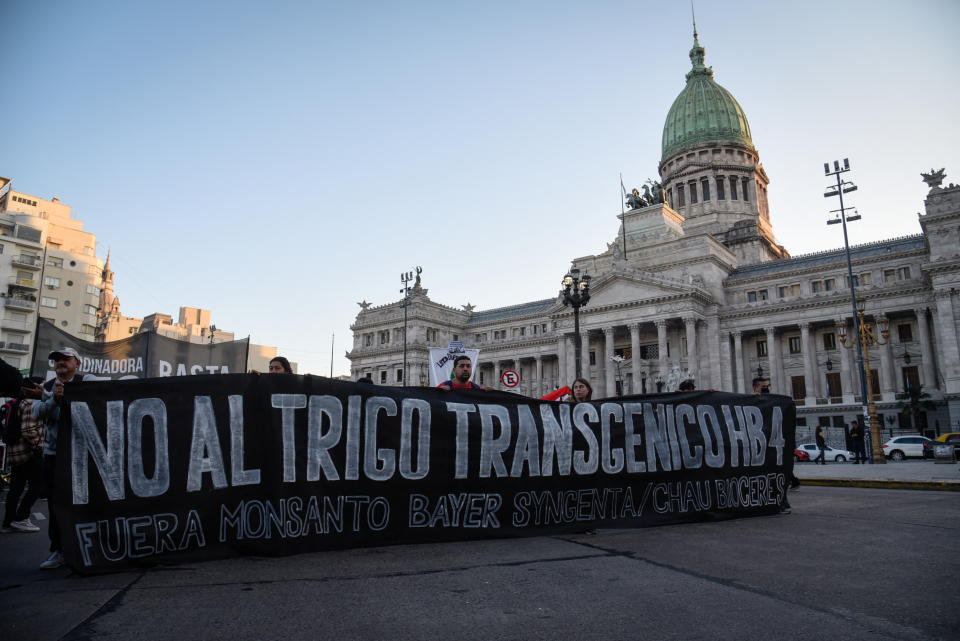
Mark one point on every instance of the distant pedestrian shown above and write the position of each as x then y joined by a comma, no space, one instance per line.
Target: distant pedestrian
856,442
687,386
821,440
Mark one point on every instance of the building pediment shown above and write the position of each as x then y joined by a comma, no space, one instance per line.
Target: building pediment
627,285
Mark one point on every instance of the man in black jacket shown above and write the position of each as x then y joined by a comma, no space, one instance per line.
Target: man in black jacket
13,384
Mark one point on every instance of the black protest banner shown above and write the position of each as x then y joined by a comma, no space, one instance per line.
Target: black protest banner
208,466
114,360
143,355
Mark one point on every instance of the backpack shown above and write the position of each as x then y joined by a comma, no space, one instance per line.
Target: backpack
10,421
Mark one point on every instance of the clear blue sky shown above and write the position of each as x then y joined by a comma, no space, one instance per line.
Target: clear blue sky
278,162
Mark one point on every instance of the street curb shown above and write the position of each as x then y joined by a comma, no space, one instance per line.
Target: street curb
949,486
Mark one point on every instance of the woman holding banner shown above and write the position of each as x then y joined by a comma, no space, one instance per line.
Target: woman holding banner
582,391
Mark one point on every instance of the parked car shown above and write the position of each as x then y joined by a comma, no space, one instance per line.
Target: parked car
812,452
800,455
901,447
950,437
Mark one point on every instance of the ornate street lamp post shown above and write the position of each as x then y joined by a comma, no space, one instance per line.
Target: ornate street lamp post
864,339
576,294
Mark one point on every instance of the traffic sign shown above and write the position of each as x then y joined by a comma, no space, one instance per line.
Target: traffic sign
510,378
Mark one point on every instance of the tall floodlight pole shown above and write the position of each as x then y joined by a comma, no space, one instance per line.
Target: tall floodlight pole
838,189
405,278
576,294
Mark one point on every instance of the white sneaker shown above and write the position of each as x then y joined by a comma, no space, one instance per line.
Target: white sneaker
54,561
26,525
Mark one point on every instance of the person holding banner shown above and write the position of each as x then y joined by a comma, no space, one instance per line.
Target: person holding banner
462,371
279,365
66,362
582,391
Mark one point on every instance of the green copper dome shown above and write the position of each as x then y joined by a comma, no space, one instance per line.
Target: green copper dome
704,111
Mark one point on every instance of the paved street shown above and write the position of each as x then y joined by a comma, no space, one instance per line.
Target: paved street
849,563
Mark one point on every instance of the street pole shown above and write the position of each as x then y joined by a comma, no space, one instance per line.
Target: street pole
405,278
838,190
576,294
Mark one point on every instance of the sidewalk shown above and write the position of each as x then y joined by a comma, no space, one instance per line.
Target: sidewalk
912,475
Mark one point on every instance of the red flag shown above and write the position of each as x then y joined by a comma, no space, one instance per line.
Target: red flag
554,395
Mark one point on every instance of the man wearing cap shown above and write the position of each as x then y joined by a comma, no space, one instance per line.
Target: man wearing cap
66,361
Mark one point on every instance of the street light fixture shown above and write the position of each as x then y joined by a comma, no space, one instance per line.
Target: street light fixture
576,294
405,278
839,189
865,338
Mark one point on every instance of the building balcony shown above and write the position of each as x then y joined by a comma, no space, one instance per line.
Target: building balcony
28,262
26,283
16,325
16,348
14,302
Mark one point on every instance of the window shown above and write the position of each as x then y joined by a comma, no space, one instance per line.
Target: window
649,352
51,282
46,301
720,191
794,344
829,341
799,387
431,335
905,332
733,188
399,376
367,340
93,269
681,196
705,189
898,273
383,377
875,385
754,296
783,291
761,347
86,329
93,289
670,196
384,337
625,353
593,358
745,193
456,337
911,377
834,387
825,285
693,193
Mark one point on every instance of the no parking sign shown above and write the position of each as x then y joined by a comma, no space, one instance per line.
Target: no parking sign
510,378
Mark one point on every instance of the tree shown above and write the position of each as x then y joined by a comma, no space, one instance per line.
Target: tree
916,406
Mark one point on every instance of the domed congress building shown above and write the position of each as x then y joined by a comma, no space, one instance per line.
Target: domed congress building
698,286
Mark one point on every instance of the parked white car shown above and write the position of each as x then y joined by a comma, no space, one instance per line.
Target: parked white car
838,456
901,447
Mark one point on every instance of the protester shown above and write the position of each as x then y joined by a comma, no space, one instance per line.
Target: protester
366,380
821,440
582,391
462,370
687,386
856,442
761,385
23,435
66,361
279,365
